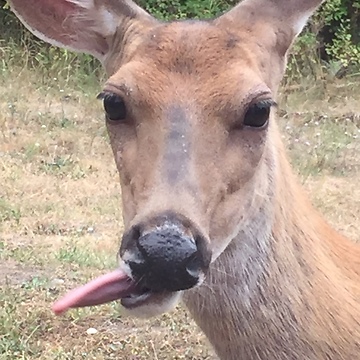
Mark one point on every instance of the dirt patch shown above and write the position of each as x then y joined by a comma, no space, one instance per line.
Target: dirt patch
13,273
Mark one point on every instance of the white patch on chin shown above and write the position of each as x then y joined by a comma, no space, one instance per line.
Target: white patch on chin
150,309
154,309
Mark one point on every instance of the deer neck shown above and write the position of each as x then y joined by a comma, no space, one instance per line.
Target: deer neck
269,294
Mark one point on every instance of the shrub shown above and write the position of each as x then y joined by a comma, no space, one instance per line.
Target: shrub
332,38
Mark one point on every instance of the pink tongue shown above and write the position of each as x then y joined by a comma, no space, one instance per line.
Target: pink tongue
105,288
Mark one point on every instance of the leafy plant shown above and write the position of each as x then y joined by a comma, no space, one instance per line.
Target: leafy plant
331,41
341,20
179,9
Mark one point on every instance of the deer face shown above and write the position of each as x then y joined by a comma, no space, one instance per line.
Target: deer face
188,132
188,110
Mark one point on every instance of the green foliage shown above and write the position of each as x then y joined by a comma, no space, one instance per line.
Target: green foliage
330,44
180,9
342,19
304,58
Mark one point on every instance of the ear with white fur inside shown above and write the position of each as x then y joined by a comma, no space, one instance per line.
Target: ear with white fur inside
80,25
285,18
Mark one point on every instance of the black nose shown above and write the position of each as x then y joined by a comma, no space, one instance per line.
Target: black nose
166,258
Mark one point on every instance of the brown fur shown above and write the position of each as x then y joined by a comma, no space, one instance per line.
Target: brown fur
283,284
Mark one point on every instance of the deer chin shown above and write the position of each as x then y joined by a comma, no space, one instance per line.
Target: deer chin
150,304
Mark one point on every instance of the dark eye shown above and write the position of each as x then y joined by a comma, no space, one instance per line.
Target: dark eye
114,106
258,114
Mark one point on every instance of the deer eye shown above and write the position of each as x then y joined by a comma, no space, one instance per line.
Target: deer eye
257,115
114,106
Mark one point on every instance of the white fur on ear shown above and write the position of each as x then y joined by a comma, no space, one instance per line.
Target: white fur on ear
40,34
301,21
78,25
107,21
102,20
110,22
290,16
86,4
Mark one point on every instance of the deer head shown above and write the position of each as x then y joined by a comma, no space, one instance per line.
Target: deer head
189,109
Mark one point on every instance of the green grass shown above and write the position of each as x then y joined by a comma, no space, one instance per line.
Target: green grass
329,144
8,212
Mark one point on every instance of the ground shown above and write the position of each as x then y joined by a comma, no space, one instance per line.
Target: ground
60,211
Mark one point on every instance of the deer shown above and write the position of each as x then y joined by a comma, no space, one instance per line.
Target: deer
213,213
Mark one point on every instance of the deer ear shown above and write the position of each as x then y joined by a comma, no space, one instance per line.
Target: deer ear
79,25
283,18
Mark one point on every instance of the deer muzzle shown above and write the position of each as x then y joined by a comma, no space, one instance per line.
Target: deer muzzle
166,255
159,257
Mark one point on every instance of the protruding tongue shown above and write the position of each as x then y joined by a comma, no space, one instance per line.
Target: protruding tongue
105,288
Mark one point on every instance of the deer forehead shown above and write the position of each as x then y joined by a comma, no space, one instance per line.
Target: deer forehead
189,61
200,38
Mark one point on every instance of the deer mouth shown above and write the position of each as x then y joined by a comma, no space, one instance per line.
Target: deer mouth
116,285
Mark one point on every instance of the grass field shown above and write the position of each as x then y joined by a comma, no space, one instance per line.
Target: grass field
60,211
